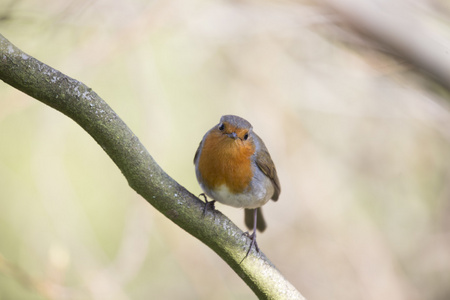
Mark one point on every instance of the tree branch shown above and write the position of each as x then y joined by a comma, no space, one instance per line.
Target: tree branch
143,174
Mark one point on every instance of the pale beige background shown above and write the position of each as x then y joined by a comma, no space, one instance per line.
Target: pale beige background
361,144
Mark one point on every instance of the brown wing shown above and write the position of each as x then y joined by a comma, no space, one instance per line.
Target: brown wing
265,163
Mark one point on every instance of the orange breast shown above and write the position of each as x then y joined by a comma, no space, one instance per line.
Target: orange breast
224,160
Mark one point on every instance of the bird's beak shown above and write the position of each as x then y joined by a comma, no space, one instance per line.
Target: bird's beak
233,135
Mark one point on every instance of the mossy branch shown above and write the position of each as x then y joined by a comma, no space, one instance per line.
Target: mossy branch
92,113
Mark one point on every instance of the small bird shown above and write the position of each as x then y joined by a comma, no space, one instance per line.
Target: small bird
233,167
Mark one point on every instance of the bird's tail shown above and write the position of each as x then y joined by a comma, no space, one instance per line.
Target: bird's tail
249,219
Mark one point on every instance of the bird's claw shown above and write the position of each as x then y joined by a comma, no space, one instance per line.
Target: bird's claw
252,243
208,204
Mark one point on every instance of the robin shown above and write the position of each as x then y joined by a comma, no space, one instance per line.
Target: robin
233,167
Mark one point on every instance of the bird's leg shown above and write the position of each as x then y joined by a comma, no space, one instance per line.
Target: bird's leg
208,204
252,237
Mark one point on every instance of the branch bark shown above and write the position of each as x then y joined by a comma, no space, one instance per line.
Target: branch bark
85,107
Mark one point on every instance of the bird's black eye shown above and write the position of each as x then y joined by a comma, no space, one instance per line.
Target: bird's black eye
246,136
221,126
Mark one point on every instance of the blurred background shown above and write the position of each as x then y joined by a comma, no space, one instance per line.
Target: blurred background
359,134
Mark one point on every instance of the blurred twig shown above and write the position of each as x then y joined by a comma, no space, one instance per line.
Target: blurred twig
21,276
85,107
399,31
